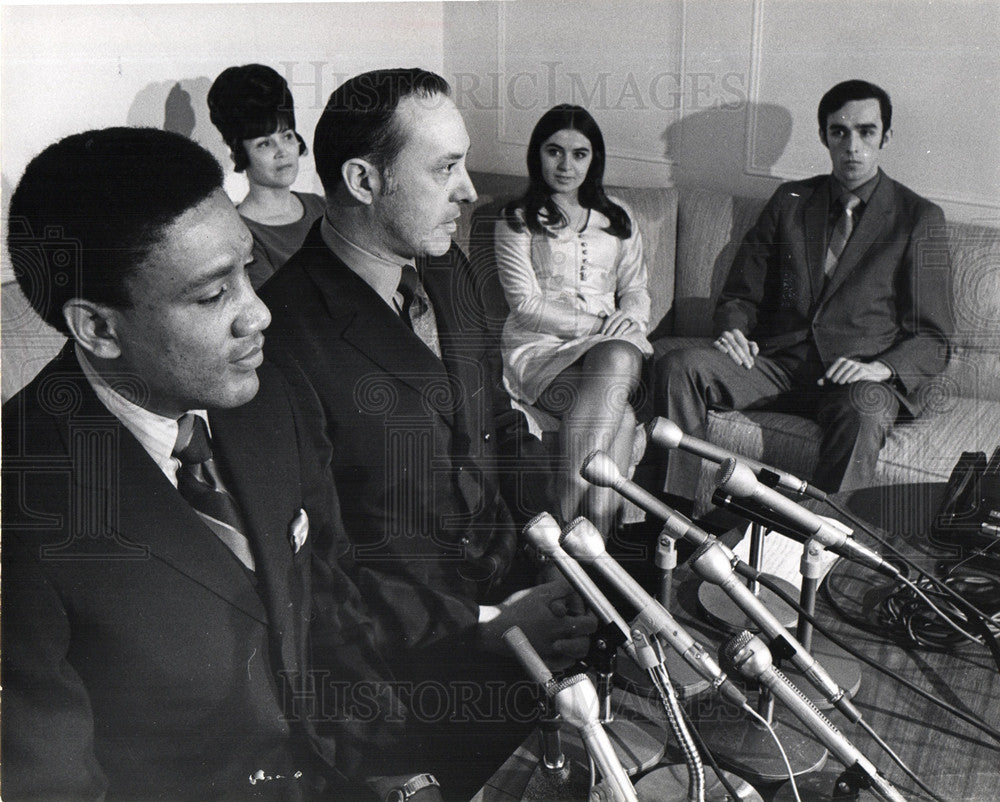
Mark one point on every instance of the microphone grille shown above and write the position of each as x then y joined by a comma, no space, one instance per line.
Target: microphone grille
731,648
725,471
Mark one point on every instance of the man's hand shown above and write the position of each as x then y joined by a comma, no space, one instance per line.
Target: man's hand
848,371
617,323
735,343
553,618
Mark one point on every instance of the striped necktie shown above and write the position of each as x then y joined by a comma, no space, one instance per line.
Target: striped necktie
201,486
841,232
417,311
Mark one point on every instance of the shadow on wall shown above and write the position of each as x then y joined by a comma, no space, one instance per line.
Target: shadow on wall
709,148
182,107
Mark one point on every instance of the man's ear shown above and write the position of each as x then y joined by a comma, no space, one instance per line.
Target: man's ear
362,180
822,138
94,326
886,137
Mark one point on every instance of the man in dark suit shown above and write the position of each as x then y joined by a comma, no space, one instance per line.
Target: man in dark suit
415,408
836,306
162,488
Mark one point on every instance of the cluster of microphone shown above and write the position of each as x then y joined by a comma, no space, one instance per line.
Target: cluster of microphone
580,544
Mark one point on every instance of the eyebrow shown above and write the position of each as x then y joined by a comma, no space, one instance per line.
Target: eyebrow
203,281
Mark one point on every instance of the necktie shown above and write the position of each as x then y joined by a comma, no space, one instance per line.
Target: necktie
200,485
417,311
841,232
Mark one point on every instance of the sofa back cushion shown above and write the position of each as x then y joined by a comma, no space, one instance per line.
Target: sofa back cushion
710,227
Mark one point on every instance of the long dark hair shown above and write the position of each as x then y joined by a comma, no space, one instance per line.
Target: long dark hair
537,205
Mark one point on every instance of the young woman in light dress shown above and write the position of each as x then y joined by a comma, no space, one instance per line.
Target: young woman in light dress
571,264
252,107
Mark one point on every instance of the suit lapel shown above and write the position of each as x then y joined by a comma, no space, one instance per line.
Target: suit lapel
461,348
816,212
135,500
364,321
867,232
258,446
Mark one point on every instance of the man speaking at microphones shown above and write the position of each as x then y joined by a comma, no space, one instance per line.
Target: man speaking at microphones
832,308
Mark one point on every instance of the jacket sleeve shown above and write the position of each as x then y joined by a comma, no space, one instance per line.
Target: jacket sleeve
48,726
923,303
530,308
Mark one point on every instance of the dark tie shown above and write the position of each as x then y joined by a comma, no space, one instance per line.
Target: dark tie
417,311
199,483
841,232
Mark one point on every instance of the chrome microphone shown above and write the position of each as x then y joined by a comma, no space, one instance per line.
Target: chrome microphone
738,480
599,469
750,656
714,562
576,701
584,542
543,532
664,432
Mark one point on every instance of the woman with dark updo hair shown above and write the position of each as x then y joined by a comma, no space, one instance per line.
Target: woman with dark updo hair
252,108
571,264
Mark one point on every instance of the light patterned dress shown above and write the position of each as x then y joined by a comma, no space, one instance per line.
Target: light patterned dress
550,282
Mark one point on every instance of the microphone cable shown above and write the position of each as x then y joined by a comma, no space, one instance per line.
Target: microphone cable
787,598
978,620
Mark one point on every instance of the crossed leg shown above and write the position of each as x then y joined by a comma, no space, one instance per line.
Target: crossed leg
591,399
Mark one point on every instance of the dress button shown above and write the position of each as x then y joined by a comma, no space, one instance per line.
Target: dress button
464,541
487,437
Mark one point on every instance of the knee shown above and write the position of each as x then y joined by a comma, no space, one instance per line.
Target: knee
614,362
615,357
863,406
676,367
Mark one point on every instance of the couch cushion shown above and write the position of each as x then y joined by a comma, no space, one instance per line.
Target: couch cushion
710,227
975,253
27,345
656,213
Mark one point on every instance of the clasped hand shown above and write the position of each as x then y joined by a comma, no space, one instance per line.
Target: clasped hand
552,616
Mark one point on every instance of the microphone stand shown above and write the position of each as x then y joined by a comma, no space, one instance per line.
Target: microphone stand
686,682
845,670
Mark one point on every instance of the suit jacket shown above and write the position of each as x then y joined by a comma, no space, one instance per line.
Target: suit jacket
888,298
415,437
141,659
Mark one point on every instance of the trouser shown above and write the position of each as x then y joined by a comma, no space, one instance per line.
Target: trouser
855,418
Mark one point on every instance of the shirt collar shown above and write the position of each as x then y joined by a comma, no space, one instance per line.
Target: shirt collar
382,275
155,433
864,192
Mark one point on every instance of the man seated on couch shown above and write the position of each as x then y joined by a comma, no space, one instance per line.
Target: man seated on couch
831,310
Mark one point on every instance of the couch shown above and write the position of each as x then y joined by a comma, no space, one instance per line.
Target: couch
690,237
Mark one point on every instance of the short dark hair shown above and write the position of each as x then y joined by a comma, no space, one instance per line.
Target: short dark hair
847,91
251,101
358,121
537,205
90,208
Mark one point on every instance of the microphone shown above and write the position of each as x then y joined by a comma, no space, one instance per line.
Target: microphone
585,543
750,656
664,432
576,700
714,562
738,480
543,533
599,469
